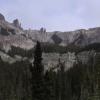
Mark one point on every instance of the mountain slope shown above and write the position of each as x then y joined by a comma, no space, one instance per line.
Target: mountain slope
12,34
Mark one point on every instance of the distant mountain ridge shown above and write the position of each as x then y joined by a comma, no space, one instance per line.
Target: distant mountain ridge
12,34
80,37
17,44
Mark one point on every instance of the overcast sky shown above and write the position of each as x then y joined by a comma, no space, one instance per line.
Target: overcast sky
60,15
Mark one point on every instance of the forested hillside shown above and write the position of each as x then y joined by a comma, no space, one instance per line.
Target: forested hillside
25,81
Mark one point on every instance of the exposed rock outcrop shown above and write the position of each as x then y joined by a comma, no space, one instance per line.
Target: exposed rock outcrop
7,28
17,24
2,17
80,37
42,30
56,39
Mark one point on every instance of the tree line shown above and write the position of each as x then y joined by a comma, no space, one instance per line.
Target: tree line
25,81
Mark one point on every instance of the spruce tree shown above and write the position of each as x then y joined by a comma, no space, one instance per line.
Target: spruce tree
50,84
37,71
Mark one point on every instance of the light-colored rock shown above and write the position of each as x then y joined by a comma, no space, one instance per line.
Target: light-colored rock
16,40
7,58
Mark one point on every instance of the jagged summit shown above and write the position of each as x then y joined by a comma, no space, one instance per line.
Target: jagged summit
17,24
2,17
80,37
7,28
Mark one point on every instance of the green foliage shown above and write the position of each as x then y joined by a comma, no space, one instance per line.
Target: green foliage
14,81
78,83
49,87
25,81
37,72
53,48
73,48
21,52
93,46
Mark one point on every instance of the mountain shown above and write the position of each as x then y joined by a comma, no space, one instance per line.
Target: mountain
2,17
18,42
7,28
80,37
11,34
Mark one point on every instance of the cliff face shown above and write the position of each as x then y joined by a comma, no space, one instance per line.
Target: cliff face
17,24
12,34
7,28
80,37
51,60
2,17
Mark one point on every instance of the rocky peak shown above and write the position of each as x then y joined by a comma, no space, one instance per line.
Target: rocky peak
17,24
56,39
2,17
42,30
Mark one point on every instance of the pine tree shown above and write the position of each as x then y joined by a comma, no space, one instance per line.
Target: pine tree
50,84
37,71
61,81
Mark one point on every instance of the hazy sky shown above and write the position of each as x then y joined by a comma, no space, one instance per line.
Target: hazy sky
61,15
